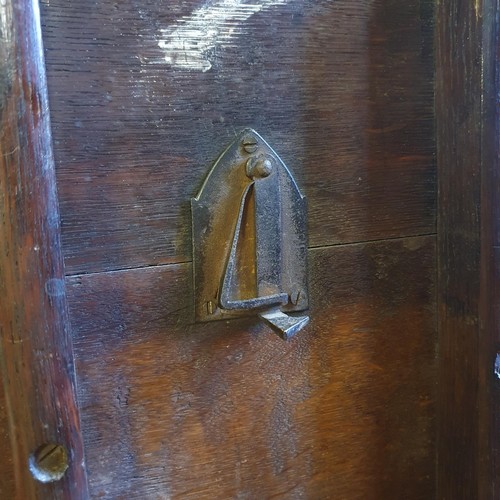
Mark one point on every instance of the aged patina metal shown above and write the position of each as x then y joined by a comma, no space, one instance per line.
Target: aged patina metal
250,238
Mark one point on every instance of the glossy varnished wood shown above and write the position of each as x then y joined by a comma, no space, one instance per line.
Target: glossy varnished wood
343,90
36,362
229,410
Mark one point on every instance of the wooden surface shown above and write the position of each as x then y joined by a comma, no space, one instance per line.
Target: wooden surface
35,348
346,409
491,264
342,90
467,145
7,484
144,97
489,416
489,306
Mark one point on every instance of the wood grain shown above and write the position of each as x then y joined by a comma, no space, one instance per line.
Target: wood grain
7,484
342,90
490,298
346,409
489,307
467,140
36,359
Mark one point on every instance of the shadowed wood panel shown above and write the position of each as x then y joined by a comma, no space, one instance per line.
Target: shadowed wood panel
173,409
146,94
489,349
490,437
467,140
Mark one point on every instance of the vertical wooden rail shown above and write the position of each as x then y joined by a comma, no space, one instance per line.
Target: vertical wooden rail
36,352
467,162
489,404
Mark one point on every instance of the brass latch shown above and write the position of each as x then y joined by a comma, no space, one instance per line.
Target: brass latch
250,239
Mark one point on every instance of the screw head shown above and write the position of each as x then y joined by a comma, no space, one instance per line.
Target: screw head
49,463
294,296
250,144
211,307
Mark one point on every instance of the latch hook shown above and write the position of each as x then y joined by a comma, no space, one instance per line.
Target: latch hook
264,271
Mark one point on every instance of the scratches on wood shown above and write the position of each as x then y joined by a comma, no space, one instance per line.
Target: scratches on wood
190,44
342,89
36,364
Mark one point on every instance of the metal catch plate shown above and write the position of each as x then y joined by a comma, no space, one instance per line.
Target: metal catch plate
249,235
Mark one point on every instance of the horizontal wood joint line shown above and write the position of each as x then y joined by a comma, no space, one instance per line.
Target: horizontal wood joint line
321,247
379,240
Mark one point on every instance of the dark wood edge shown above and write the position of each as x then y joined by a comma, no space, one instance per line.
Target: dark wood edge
489,333
467,194
36,351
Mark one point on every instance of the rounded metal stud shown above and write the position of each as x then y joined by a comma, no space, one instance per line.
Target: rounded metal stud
259,167
49,463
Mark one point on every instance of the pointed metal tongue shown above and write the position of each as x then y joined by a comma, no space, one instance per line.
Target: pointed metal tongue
286,326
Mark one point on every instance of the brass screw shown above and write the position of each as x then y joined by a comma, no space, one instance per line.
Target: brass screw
211,307
49,463
250,144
